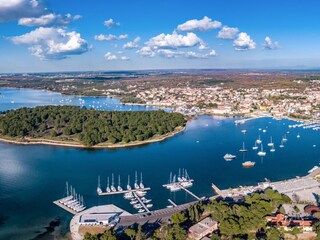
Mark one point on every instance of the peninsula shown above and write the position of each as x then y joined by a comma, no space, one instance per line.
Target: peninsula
81,127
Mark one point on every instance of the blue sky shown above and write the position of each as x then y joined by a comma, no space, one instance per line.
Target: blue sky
70,35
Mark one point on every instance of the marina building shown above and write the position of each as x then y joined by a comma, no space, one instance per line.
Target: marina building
202,228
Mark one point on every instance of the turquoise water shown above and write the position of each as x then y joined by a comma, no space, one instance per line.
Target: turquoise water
31,177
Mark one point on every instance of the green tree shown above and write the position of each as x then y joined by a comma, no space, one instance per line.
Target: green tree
178,218
131,233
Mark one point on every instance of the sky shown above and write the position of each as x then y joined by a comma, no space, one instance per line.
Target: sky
105,35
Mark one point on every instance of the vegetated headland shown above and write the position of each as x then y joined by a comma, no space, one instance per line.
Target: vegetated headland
279,93
81,127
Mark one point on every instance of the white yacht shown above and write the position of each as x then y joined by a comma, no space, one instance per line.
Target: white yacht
281,144
119,185
128,195
108,186
99,190
149,205
141,210
272,149
258,141
141,184
229,157
255,147
270,144
128,185
113,189
261,153
136,185
298,136
243,149
284,139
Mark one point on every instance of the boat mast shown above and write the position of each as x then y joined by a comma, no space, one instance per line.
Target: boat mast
67,188
128,180
136,178
140,177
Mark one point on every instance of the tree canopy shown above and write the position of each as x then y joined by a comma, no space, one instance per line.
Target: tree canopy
88,126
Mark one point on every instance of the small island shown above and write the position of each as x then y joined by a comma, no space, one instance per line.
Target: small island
81,127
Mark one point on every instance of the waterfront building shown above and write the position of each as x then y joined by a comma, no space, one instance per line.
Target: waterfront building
202,228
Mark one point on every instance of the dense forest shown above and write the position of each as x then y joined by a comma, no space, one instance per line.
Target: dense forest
90,127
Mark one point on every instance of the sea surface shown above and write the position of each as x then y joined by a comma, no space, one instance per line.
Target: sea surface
31,177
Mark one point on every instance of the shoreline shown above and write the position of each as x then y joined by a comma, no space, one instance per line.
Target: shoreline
99,146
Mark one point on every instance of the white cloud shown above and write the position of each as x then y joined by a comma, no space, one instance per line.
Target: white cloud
102,37
227,33
48,20
111,23
52,43
133,44
203,46
111,57
244,42
169,53
123,36
269,45
146,52
202,25
15,9
110,37
174,40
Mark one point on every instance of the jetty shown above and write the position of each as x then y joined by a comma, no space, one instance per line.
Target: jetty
140,201
72,203
172,203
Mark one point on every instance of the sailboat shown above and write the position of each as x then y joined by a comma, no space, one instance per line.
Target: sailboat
128,185
108,186
284,139
272,149
99,191
298,136
281,144
113,189
255,147
270,144
258,141
141,184
261,153
119,185
243,148
179,176
136,186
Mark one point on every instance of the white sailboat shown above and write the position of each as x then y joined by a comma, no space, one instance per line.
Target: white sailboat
128,185
272,149
141,184
108,186
284,139
281,144
99,190
113,189
261,153
270,144
243,148
136,186
298,136
255,147
258,141
119,185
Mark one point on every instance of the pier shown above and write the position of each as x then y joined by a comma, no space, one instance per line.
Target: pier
140,201
123,191
172,203
191,193
59,204
216,189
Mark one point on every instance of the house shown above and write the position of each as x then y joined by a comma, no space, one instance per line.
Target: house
280,220
202,228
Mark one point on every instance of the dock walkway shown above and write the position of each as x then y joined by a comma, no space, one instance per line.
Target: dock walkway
141,202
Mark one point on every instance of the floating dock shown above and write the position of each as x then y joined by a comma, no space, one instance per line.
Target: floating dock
141,202
124,191
58,203
191,193
172,203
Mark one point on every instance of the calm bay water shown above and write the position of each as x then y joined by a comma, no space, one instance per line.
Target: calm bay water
31,177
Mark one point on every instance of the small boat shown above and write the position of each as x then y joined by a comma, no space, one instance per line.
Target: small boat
281,144
272,149
248,164
261,153
229,157
264,130
260,129
133,202
243,148
270,144
255,147
99,190
174,188
284,139
147,201
141,184
298,136
149,205
119,186
244,131
108,186
141,210
137,206
128,195
128,185
169,206
141,193
314,145
258,141
113,189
